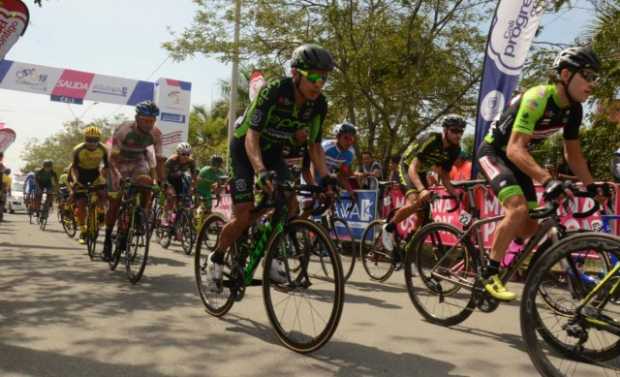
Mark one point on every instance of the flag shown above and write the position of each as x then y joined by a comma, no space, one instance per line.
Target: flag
14,18
512,31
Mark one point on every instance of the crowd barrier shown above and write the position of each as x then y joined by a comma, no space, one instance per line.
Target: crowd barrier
368,209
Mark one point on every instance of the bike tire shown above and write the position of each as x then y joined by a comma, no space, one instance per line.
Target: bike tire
188,234
92,233
122,218
299,284
431,296
137,252
345,245
561,348
68,224
377,261
217,302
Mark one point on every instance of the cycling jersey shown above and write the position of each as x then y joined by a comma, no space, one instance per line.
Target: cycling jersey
45,179
274,114
206,178
335,157
63,180
129,143
430,152
537,113
30,183
174,167
86,159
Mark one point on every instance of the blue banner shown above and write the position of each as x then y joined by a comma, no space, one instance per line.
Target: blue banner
513,28
359,216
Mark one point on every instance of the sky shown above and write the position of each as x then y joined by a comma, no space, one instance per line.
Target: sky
123,38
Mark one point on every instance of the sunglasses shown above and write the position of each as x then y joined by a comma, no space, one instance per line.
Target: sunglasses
458,131
92,141
185,154
313,77
589,76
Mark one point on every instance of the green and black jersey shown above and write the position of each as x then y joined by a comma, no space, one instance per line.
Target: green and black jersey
429,150
275,115
536,112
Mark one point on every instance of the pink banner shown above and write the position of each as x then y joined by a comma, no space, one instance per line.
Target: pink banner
72,86
7,137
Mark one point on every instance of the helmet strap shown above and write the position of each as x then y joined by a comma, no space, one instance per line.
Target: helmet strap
571,100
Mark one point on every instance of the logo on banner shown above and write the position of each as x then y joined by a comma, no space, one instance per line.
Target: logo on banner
514,27
72,86
492,105
31,78
111,90
174,98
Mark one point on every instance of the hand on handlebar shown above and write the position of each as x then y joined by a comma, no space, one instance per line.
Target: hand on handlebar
425,196
265,180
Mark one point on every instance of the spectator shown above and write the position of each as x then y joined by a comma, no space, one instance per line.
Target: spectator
369,167
392,173
461,169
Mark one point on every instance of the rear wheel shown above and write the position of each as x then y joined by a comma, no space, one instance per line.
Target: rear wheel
217,296
68,222
341,234
376,259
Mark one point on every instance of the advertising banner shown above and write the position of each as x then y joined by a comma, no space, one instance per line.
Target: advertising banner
14,17
7,137
72,86
173,99
512,30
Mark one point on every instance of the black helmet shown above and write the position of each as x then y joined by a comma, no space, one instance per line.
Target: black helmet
577,58
344,128
147,108
48,163
453,120
216,160
310,56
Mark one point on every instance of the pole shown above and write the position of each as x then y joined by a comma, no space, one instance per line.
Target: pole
232,107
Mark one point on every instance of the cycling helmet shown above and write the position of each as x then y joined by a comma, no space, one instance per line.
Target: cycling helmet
344,128
147,108
453,120
7,171
92,132
311,56
48,163
216,160
184,148
577,58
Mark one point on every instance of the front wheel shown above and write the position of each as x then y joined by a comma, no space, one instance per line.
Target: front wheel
137,246
342,236
440,272
188,233
560,340
303,286
68,222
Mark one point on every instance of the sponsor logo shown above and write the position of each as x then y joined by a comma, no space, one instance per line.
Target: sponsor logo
174,97
241,185
257,117
171,117
111,90
31,78
514,26
72,84
492,105
75,85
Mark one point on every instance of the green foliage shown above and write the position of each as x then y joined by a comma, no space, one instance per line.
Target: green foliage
59,146
208,131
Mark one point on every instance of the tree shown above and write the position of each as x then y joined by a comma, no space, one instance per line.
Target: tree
208,131
401,65
59,146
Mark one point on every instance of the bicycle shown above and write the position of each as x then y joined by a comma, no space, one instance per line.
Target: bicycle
44,212
132,230
581,337
92,214
181,222
379,262
449,263
65,213
287,244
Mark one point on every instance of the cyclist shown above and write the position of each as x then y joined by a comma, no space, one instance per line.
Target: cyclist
615,166
505,159
86,171
434,151
129,159
177,166
208,182
46,180
64,188
339,155
30,188
5,193
369,168
287,113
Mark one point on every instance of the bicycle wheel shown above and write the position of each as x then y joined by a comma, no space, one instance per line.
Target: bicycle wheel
68,223
43,218
377,261
304,307
341,234
217,298
122,223
445,273
137,246
188,233
562,342
92,232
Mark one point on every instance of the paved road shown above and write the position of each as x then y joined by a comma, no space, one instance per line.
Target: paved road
63,315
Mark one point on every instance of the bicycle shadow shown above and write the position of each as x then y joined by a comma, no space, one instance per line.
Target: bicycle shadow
372,286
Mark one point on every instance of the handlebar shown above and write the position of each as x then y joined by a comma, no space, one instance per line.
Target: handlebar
551,207
436,196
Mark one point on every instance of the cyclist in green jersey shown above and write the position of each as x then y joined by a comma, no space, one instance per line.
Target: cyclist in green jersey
433,151
286,114
505,159
208,181
47,180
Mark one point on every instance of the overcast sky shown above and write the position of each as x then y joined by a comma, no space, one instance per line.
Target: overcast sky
123,38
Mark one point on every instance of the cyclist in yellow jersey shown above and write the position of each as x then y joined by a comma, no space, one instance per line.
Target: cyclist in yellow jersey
88,157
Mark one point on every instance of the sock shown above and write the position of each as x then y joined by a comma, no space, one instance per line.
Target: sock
390,227
217,257
491,269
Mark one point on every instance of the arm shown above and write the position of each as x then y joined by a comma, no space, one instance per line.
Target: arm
576,161
517,153
414,176
317,157
444,176
252,149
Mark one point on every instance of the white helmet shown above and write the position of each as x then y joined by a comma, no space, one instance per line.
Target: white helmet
184,148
